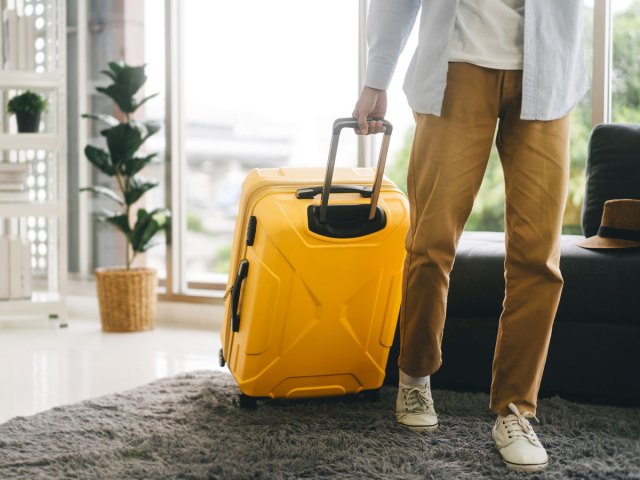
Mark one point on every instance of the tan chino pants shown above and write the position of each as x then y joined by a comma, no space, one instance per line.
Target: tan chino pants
448,161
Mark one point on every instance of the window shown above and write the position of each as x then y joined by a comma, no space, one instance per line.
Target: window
258,84
400,114
262,84
488,209
581,124
625,68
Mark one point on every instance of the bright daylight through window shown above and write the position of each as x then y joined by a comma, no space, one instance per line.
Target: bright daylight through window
261,91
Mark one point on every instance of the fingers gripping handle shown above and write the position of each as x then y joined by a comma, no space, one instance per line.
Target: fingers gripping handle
348,122
338,125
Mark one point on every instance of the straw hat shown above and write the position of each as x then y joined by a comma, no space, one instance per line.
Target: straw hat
620,226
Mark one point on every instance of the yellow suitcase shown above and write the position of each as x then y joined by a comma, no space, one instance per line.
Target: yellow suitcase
314,288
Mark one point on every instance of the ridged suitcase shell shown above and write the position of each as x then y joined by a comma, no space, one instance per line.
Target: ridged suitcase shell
317,314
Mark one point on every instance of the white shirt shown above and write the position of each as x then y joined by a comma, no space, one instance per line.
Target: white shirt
489,33
554,77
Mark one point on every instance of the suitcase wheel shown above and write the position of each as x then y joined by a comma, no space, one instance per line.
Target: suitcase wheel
221,358
371,395
247,402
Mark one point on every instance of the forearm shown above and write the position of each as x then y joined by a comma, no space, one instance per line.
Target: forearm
389,24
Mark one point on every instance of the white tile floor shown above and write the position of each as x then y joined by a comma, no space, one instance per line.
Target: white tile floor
42,365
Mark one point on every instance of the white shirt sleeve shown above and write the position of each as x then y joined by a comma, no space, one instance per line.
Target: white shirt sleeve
389,24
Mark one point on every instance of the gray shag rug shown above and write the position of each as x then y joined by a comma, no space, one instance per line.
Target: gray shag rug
190,427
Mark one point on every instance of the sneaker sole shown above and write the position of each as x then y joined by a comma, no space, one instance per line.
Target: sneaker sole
420,428
531,468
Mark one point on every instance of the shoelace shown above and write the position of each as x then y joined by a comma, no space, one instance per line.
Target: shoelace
416,399
518,425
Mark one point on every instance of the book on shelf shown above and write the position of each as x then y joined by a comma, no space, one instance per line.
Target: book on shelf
4,267
15,268
12,177
25,269
10,32
22,38
15,261
19,34
12,174
26,47
11,186
15,196
15,168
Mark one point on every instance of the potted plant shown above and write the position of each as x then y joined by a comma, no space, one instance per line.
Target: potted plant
127,295
27,107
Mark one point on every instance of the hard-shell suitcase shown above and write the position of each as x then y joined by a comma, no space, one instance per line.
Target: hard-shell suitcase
314,288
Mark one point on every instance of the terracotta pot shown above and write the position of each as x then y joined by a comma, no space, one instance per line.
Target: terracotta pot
127,298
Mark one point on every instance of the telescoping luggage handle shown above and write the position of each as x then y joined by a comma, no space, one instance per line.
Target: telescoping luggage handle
338,125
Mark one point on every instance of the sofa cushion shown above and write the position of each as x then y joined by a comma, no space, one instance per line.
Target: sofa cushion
599,286
612,171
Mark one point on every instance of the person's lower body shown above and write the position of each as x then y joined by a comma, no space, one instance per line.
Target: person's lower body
448,161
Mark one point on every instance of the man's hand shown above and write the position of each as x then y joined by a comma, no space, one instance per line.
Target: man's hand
372,103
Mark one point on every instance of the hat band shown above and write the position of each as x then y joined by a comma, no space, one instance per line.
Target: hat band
619,233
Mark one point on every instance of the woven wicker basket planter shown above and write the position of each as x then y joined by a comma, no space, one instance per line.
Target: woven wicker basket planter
127,299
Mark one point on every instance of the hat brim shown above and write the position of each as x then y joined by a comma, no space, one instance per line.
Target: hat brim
597,242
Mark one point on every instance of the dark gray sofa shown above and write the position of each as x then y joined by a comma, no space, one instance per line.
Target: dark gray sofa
594,354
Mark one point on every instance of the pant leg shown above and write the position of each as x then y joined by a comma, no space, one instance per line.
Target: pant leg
535,160
446,167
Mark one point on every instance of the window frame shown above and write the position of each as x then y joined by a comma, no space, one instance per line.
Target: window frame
602,62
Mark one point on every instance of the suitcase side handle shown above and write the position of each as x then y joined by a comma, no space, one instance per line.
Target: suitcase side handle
310,192
338,126
243,271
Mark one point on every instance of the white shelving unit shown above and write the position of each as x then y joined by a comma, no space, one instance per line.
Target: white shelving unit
43,220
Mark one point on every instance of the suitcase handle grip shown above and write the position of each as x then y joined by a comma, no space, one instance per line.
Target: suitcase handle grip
310,192
243,271
348,122
338,125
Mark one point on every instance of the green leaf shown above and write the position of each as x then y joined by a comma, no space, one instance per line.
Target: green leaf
131,78
147,226
108,119
116,67
126,83
143,221
136,188
123,99
110,74
100,159
144,100
118,220
123,141
28,102
136,164
151,128
149,245
104,191
141,214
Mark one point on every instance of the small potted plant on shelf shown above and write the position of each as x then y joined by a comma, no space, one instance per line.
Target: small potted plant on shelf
27,108
127,296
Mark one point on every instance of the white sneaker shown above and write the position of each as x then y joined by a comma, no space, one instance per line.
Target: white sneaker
414,408
517,443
